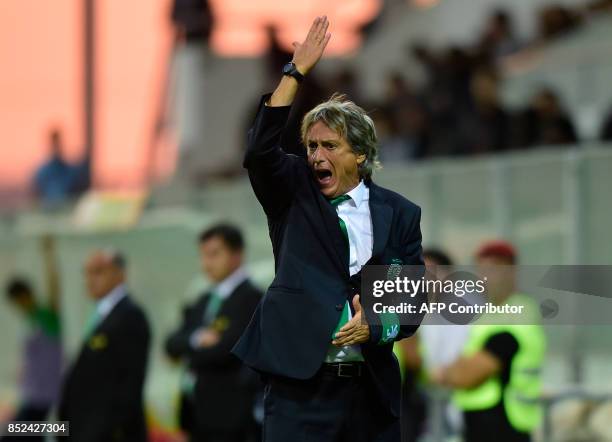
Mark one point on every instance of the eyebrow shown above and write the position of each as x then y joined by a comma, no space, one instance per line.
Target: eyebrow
329,140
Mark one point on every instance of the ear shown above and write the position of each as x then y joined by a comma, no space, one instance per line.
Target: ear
361,158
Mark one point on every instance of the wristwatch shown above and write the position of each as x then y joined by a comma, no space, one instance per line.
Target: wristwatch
291,70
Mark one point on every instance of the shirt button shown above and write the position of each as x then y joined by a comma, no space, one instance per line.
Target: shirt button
339,307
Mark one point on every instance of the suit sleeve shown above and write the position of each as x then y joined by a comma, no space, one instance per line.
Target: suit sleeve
177,343
414,258
132,355
219,356
390,327
271,170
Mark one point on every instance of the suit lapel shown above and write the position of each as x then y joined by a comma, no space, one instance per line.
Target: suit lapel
332,226
105,321
381,214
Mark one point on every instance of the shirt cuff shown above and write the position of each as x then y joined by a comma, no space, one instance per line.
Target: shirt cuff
390,328
193,339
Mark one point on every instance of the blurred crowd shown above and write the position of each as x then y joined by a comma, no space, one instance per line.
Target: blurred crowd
458,110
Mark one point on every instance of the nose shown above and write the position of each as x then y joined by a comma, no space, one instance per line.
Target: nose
315,156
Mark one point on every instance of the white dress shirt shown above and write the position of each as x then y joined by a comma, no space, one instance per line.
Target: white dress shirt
229,284
105,305
355,213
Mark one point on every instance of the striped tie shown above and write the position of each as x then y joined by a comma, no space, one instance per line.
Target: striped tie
344,318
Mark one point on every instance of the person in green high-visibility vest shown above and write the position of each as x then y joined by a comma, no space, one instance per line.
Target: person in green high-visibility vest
497,379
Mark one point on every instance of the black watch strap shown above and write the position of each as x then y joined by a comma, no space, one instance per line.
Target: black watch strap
291,70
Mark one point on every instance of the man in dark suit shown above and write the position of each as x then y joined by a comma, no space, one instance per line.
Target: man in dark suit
221,393
329,368
102,395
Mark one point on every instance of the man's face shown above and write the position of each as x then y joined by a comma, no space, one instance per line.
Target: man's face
102,275
436,269
218,261
24,302
500,274
333,162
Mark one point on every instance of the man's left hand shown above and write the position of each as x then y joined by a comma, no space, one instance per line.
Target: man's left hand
356,331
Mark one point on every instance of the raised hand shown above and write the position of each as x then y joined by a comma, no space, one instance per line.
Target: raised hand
309,52
305,56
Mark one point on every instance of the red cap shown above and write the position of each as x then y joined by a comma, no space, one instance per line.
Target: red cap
497,249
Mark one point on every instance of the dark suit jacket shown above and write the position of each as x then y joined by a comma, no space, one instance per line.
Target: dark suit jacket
225,387
290,332
102,395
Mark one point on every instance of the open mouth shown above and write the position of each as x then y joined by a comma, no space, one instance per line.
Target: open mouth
324,177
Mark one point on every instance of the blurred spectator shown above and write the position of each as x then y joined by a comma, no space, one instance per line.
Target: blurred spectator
397,91
218,391
54,180
193,20
556,20
447,95
346,82
497,379
545,122
485,126
102,395
413,413
599,6
498,38
606,129
277,56
42,357
405,122
393,147
441,344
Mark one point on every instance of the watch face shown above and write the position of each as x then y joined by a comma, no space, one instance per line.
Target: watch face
287,68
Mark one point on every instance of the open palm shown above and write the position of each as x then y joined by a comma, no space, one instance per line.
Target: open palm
309,52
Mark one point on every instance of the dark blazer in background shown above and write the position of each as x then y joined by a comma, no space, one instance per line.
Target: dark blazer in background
290,333
224,390
102,396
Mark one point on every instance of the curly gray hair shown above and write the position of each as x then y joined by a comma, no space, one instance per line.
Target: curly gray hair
351,122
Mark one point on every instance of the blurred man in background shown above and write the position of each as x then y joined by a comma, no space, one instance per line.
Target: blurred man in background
546,122
221,394
102,395
42,358
498,377
441,342
485,126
